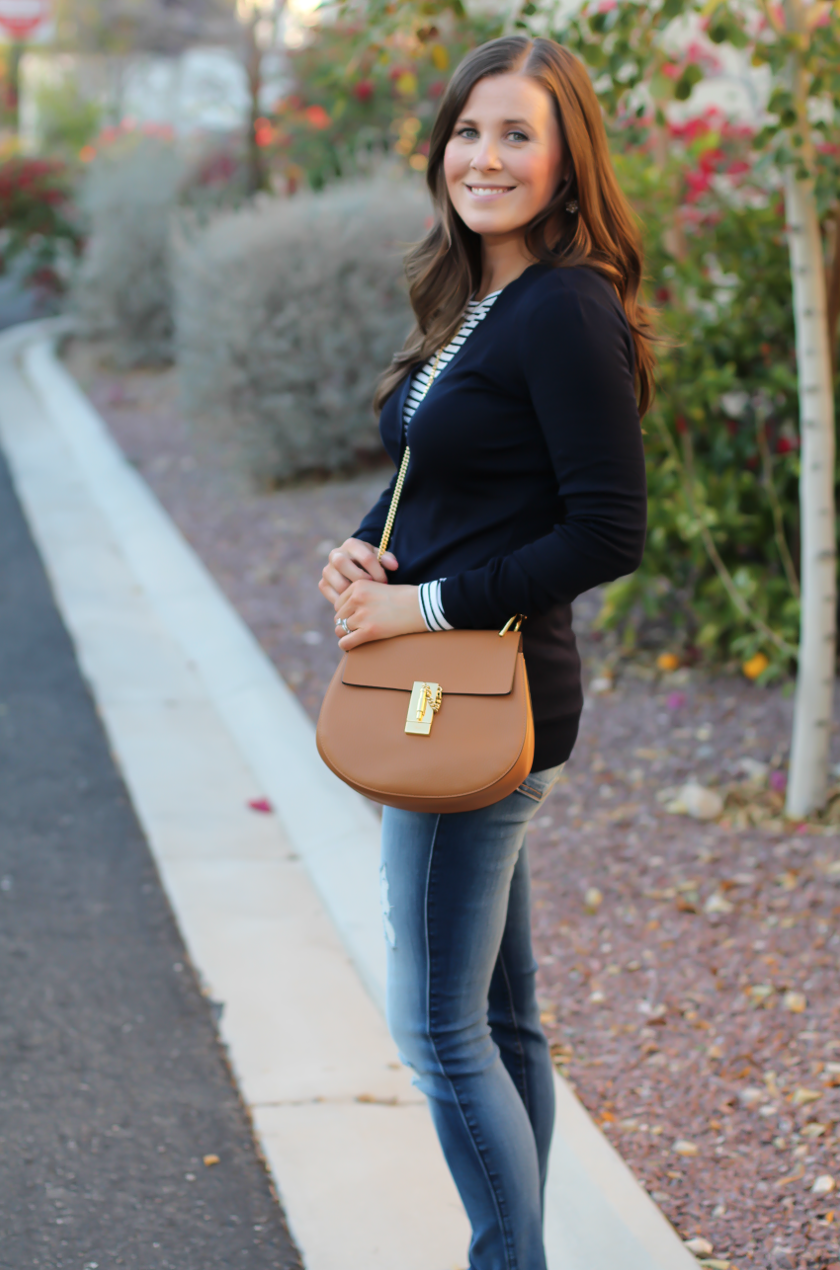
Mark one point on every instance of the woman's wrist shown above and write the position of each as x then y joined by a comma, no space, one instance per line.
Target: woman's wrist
431,606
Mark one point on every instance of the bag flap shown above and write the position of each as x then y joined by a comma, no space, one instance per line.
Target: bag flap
473,663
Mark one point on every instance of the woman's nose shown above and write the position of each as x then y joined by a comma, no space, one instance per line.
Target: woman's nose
486,158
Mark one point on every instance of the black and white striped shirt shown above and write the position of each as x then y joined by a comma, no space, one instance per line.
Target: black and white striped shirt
430,605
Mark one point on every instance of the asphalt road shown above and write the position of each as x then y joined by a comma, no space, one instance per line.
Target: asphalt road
113,1086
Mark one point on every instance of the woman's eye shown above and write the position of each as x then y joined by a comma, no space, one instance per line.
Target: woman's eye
469,133
517,136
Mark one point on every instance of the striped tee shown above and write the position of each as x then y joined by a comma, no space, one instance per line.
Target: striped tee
430,605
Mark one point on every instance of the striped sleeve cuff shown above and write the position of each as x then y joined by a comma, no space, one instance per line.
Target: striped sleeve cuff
431,607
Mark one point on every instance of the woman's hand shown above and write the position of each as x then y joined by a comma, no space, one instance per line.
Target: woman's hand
353,561
373,610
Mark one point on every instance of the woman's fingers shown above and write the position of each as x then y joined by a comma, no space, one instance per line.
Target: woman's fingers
353,561
357,560
372,611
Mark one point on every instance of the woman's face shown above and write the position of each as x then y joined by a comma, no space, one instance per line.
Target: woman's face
505,158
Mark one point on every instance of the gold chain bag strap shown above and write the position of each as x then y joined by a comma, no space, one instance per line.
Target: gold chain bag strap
438,721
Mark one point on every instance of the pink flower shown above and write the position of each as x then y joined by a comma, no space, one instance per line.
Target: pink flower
675,700
260,804
778,782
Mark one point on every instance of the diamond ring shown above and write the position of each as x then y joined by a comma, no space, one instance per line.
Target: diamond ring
343,624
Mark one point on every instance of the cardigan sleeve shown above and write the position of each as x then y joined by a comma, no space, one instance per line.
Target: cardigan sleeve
576,358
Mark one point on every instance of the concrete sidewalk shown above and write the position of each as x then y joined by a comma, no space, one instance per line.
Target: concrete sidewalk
114,1085
280,915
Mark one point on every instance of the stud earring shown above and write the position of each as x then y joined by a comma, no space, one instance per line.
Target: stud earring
572,206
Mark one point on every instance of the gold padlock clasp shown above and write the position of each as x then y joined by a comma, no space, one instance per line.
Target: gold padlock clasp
423,705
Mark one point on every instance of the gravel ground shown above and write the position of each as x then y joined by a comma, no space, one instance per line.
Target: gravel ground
688,969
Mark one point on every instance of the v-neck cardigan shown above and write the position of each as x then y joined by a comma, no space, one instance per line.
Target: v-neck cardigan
526,484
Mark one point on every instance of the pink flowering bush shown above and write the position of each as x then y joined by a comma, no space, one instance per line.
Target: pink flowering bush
722,438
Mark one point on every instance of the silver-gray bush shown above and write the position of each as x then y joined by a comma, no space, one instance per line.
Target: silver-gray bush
286,312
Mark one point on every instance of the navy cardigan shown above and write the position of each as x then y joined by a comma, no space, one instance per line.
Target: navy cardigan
526,484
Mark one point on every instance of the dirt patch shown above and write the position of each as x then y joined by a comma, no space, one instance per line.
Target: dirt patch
688,970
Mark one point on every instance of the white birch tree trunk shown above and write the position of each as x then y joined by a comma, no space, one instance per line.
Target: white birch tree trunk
808,773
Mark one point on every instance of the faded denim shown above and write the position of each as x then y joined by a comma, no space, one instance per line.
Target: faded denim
462,1008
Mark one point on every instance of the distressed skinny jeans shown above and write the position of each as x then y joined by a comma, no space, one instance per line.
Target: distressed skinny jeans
462,1009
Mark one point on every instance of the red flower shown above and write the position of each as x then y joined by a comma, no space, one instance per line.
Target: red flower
681,425
784,445
317,116
698,183
739,166
662,295
363,91
436,88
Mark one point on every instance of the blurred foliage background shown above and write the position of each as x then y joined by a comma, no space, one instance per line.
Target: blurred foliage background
356,97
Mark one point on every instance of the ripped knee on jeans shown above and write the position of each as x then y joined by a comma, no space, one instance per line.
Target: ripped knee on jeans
385,905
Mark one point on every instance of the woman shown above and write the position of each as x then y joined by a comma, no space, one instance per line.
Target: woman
526,486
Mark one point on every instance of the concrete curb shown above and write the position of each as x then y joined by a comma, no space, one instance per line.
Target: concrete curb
598,1216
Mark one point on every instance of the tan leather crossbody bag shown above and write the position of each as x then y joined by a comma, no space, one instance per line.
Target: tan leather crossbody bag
438,721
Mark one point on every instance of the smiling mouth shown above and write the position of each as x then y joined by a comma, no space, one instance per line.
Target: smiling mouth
489,191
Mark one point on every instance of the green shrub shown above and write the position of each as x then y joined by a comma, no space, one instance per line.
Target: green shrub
722,438
67,120
286,312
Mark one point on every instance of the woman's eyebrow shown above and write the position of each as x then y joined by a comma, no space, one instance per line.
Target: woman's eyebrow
506,123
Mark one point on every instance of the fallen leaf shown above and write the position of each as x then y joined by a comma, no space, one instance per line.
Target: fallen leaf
667,662
754,771
717,904
801,1097
795,1002
210,1160
260,804
824,1185
760,993
696,801
683,1147
593,899
600,685
699,1246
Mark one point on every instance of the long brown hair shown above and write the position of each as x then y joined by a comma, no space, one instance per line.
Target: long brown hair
444,269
